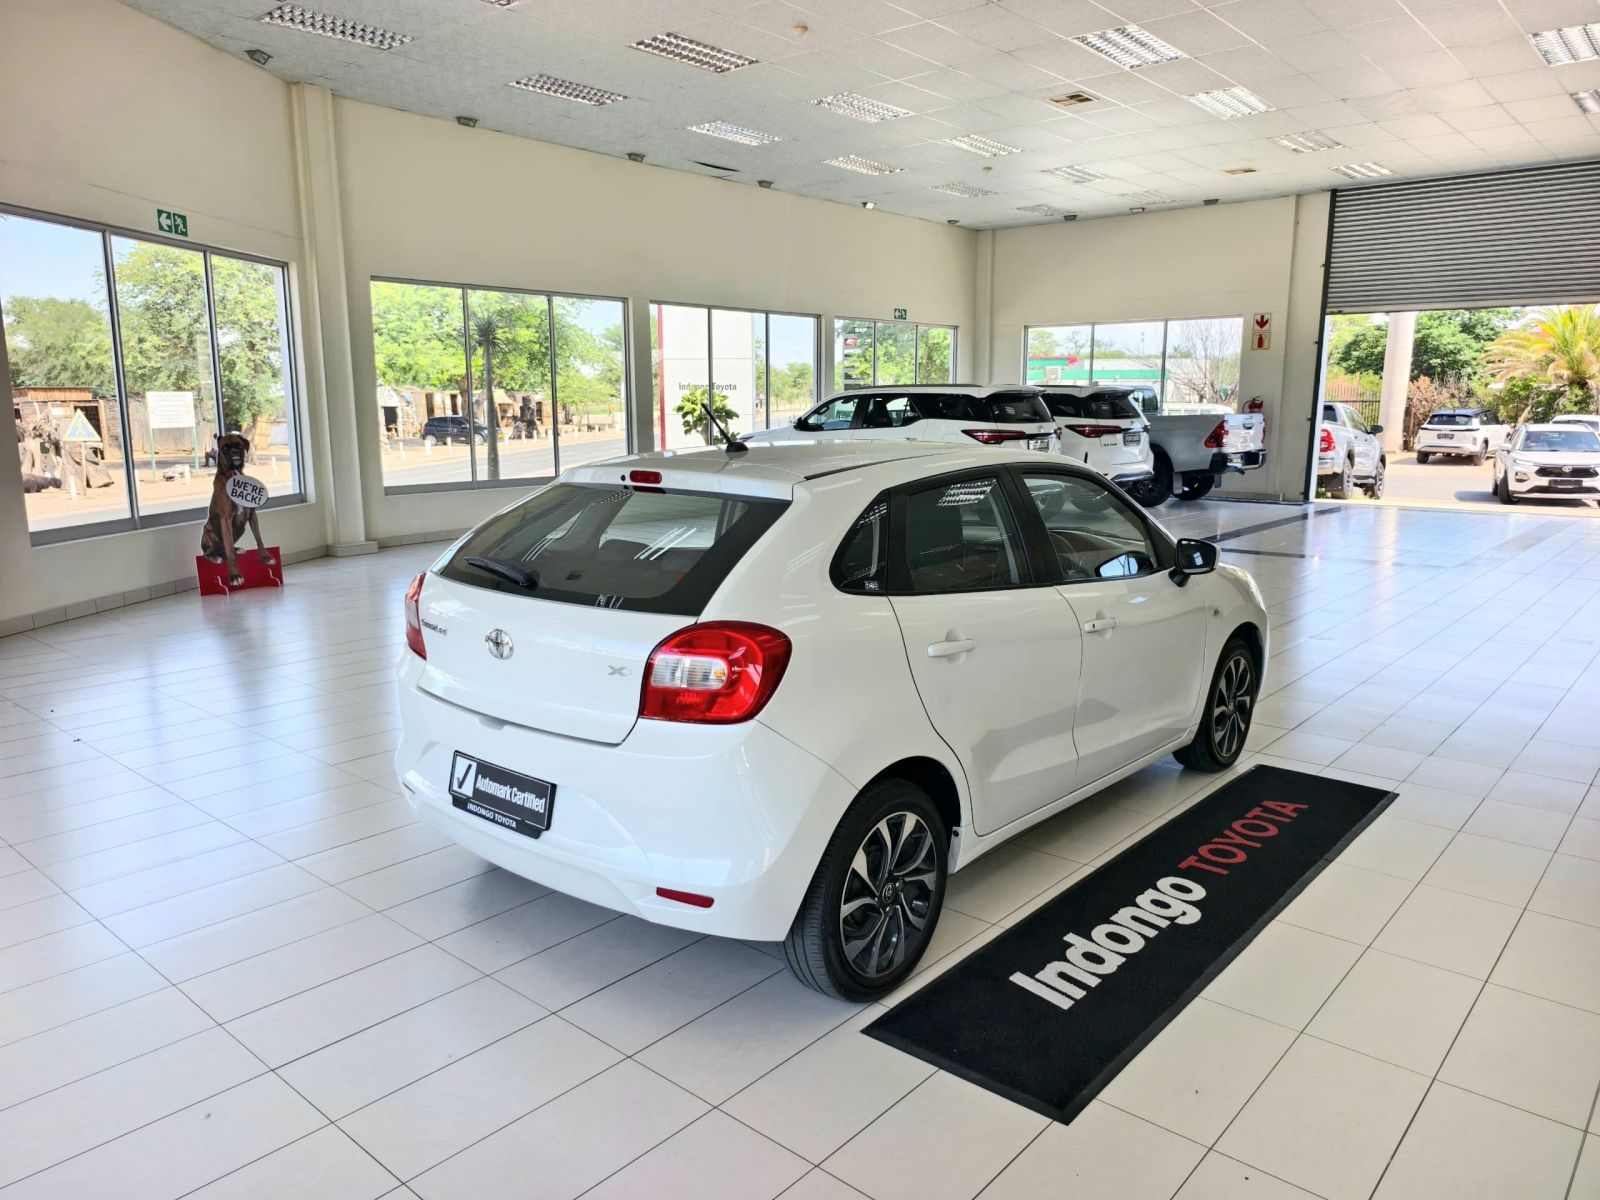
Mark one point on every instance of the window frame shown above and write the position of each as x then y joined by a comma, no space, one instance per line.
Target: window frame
1166,345
134,520
897,581
1038,533
840,386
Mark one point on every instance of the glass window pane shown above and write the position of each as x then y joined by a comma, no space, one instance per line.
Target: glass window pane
419,354
58,338
591,381
1203,361
1128,353
510,337
166,363
792,364
959,537
1058,354
1093,534
681,352
936,360
852,353
738,367
839,413
897,353
257,388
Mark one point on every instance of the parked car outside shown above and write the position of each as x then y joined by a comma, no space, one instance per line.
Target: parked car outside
1193,444
1473,433
450,430
996,415
1349,454
1548,460
1586,420
782,693
1103,429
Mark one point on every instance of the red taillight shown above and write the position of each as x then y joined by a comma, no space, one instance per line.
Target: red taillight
1095,431
694,899
1325,445
1217,436
414,617
714,674
993,437
644,476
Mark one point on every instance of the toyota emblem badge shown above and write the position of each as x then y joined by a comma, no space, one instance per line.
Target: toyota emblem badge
499,643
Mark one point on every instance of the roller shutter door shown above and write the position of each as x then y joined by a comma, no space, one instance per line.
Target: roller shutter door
1513,238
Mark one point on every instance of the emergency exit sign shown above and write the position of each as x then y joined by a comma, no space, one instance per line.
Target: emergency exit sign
174,223
899,314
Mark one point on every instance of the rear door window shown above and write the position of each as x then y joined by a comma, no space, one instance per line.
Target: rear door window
1097,406
1002,408
835,414
887,412
615,547
958,537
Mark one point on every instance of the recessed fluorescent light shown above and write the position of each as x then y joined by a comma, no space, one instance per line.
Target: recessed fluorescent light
1588,101
975,143
1129,46
1308,143
1072,99
1575,43
695,54
729,132
1228,103
1152,198
1043,210
862,166
862,108
292,16
1363,170
565,89
965,190
1075,174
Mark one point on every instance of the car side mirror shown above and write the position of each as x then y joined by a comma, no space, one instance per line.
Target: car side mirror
1192,556
1374,428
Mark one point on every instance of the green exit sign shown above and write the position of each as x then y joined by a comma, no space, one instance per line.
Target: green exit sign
174,223
899,314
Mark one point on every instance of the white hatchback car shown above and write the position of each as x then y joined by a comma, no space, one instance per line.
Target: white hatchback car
1104,429
998,415
1548,460
780,693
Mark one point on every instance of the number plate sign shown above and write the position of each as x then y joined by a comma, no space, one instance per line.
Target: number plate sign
247,492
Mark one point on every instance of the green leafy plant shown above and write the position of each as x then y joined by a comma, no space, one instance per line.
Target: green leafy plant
691,410
1559,349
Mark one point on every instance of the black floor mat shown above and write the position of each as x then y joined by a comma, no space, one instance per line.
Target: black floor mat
1051,1010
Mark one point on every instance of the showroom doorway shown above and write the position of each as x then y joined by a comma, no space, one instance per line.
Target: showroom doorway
1457,313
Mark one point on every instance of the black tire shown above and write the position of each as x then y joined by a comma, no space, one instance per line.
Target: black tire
1375,487
1422,458
1504,491
1344,483
1154,491
816,947
1230,705
430,440
1479,455
1199,489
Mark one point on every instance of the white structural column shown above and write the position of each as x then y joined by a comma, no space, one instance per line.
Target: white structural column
642,399
976,354
1396,378
325,319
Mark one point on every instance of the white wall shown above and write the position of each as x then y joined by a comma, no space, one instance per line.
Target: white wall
109,114
494,209
1223,261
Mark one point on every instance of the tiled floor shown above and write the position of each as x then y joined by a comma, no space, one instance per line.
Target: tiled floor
233,966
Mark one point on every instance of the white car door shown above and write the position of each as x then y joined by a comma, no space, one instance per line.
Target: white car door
995,656
1144,636
1366,445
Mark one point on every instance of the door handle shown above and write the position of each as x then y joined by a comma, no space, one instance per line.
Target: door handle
1100,625
951,649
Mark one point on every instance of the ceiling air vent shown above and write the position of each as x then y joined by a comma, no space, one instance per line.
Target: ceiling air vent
1071,99
1239,171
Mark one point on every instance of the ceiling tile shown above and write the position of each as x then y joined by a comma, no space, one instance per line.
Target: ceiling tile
1314,51
1542,108
1420,125
1550,14
1521,85
954,85
933,41
1337,112
876,55
1426,70
1468,93
1384,41
1184,77
1196,33
1248,65
1348,83
1009,71
1140,11
1499,58
1574,127
1442,143
1292,91
1491,116
1382,108
994,26
1263,19
1069,18
1338,14
1470,25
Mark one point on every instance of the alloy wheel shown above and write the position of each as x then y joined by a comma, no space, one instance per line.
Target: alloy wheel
1231,705
888,896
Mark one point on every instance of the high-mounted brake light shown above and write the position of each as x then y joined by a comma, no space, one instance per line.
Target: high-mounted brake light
1217,436
414,617
1095,431
717,673
644,476
1326,444
994,437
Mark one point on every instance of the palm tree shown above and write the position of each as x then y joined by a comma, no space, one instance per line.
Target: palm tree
1560,347
490,333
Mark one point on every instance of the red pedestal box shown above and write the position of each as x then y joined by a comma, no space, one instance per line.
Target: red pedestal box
213,577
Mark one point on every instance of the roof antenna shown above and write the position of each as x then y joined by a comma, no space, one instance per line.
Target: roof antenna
732,445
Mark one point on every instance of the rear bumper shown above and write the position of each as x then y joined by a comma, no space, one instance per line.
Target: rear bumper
735,812
1224,462
1139,475
1472,446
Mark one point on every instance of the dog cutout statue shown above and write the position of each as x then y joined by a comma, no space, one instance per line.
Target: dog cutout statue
235,497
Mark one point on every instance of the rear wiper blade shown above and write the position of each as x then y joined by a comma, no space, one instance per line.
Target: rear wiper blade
507,571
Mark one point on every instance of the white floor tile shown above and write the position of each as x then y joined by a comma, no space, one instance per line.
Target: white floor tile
1538,791
63,998
1007,877
1553,958
819,1185
993,1131
1284,975
1570,888
1447,929
1489,868
1582,839
466,903
1219,1177
596,958
1347,902
513,935
55,953
1396,1009
1537,827
1586,1182
716,1158
1465,1147
237,938
1103,1152
52,914
1531,1053
1326,1119
324,1163
1394,846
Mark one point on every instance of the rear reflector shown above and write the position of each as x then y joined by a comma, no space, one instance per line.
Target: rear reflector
693,899
993,437
644,476
714,674
414,617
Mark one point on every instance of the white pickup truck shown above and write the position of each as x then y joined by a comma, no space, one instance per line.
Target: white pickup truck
1195,445
1349,454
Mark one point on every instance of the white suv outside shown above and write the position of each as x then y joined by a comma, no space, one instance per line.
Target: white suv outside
1473,433
1103,428
996,415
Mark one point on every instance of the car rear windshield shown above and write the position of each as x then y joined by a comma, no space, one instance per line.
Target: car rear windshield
615,547
1559,439
1096,406
1451,419
1001,408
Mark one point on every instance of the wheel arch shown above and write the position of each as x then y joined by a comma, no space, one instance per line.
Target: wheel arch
1251,636
934,778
